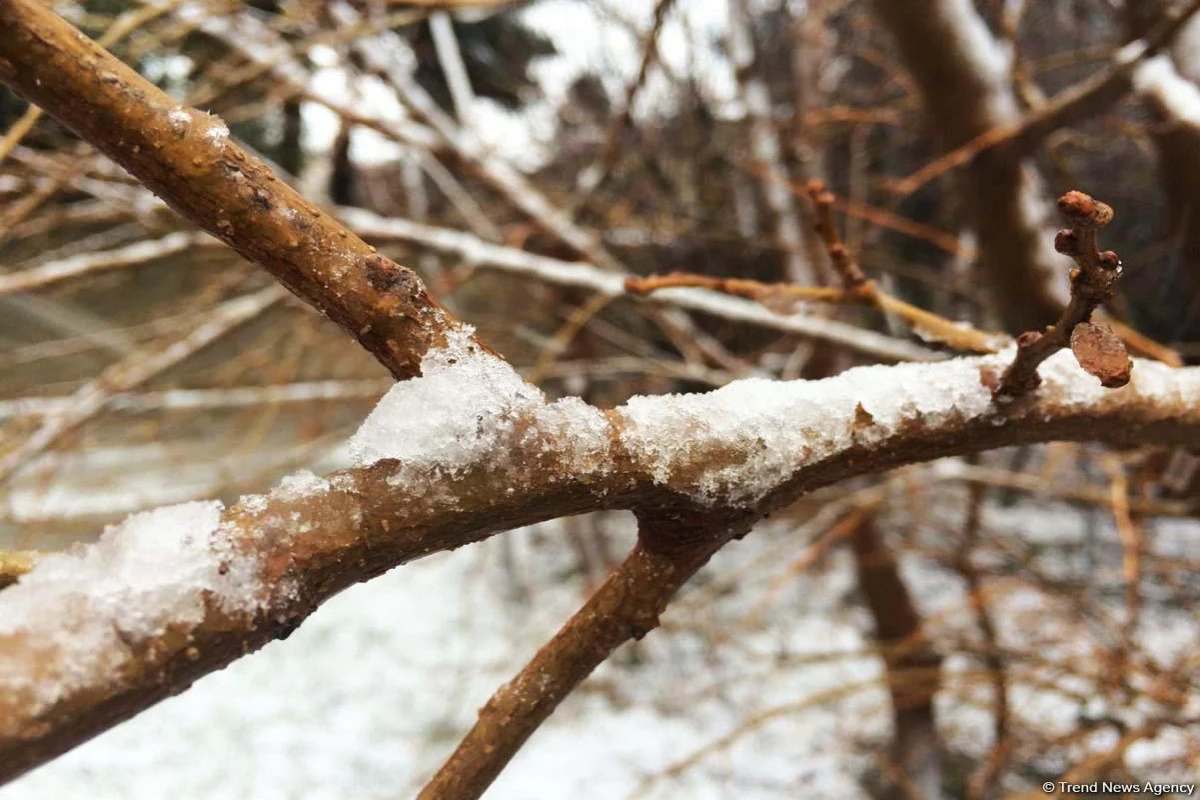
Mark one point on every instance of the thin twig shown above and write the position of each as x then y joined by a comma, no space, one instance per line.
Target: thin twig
91,398
1069,107
187,158
1092,285
595,177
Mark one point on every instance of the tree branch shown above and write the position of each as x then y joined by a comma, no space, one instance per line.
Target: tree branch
962,72
671,548
752,445
913,667
187,158
1097,347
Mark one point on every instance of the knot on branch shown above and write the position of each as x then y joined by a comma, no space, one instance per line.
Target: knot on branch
1097,348
678,528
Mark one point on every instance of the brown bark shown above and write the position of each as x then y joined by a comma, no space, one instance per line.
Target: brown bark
302,550
672,547
913,669
187,158
1177,145
364,525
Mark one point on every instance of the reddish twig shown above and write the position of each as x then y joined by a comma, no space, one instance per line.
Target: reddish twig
1098,349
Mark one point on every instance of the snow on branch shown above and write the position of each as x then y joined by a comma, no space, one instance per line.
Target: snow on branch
468,450
462,450
81,617
1158,81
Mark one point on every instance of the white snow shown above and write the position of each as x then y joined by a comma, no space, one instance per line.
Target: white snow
460,409
470,408
156,569
780,426
993,60
300,484
1158,79
372,692
733,445
217,131
180,117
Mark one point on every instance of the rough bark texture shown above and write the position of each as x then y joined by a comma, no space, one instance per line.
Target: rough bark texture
187,158
672,547
363,525
301,548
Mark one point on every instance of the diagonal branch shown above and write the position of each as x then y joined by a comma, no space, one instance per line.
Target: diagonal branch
626,606
963,76
134,370
1071,106
187,158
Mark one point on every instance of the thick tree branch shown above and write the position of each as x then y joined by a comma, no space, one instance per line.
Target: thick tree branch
187,158
754,445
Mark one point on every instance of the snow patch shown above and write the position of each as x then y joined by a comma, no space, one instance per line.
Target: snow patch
82,612
218,132
992,59
469,407
738,443
777,427
179,117
1157,78
299,485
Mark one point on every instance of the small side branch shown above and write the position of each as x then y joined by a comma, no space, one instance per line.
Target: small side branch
856,288
1098,349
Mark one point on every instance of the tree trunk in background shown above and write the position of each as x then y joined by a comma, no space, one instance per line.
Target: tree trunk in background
962,72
